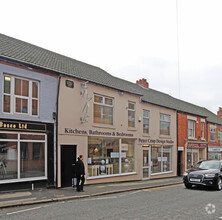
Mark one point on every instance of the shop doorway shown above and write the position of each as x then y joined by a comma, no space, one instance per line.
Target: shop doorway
68,158
146,163
192,157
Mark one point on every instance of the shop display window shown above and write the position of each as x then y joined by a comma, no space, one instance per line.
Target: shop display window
105,156
161,157
194,156
22,155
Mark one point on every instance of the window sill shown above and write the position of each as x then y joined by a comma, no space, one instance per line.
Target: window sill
109,176
22,180
192,138
162,173
165,137
145,135
131,129
103,126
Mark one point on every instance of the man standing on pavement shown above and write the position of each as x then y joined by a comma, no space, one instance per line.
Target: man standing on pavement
80,174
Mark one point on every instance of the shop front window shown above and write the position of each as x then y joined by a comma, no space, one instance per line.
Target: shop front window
161,157
215,155
106,158
8,160
194,156
128,155
32,159
29,149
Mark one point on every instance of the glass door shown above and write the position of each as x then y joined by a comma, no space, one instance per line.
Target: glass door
146,163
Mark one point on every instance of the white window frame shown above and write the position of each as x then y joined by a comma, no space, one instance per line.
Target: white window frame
171,160
202,130
165,120
13,96
133,110
103,104
148,118
213,131
18,140
191,130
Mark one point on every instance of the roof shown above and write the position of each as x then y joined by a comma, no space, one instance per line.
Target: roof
25,53
20,51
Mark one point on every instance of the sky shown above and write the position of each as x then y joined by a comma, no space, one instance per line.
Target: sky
175,44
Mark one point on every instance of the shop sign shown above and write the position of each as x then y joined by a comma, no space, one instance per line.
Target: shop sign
215,149
181,148
155,141
21,126
97,133
196,145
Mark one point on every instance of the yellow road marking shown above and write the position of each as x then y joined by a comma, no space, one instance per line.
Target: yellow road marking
163,187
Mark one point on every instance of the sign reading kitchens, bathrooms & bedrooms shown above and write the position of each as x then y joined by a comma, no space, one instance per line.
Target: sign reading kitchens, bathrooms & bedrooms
95,132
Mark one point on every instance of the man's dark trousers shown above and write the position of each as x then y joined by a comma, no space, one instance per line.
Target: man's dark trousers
80,187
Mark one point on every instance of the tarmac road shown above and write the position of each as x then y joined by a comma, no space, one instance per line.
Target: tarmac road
167,202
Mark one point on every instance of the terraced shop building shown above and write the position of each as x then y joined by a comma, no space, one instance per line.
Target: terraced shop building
124,131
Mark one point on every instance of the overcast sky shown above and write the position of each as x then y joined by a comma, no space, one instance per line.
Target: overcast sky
132,40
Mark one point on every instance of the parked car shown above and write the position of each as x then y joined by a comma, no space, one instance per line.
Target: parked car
205,173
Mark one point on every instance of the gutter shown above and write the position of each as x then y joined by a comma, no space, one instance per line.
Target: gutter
56,135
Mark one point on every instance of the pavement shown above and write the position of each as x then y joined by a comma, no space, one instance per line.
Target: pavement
44,195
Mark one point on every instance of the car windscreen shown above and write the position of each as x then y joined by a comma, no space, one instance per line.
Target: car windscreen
208,165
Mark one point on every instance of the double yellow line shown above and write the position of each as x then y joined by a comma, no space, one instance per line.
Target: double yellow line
163,187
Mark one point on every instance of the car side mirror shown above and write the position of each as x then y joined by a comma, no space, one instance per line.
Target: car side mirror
221,169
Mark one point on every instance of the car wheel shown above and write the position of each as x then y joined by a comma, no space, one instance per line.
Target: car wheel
219,184
188,185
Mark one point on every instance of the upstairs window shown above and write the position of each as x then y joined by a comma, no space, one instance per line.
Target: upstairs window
202,130
212,133
191,129
164,124
131,115
103,110
146,119
21,96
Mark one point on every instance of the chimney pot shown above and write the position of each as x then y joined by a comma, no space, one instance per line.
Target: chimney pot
143,83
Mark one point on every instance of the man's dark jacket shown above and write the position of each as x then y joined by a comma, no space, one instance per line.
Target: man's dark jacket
80,168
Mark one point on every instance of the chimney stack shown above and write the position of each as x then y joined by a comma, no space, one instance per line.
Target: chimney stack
219,113
143,83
